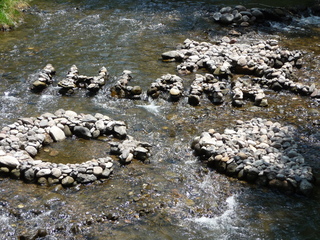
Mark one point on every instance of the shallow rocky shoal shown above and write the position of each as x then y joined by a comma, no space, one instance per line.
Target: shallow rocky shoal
258,151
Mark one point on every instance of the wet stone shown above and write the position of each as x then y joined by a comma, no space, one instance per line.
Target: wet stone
60,125
257,161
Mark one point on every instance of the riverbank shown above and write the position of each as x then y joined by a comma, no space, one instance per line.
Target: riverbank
10,13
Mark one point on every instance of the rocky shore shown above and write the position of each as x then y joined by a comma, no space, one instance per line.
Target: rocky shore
258,151
21,141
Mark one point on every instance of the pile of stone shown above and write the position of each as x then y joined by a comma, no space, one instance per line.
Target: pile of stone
130,149
258,151
168,83
272,65
245,89
44,78
21,141
244,17
209,85
73,80
123,90
238,15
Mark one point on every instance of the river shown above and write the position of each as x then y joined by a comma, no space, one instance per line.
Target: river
174,195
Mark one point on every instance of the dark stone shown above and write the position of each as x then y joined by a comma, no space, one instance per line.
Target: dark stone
194,100
82,132
86,178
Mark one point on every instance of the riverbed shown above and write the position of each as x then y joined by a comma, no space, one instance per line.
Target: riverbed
173,195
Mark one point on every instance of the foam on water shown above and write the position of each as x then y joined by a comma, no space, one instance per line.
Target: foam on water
152,108
220,227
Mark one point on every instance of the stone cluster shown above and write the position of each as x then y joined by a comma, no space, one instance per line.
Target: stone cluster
21,141
74,80
123,90
239,15
258,151
168,83
44,78
209,85
244,89
271,65
130,149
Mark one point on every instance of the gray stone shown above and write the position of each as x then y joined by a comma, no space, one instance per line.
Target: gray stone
97,171
57,134
172,55
305,187
85,178
67,181
29,174
70,114
106,173
31,150
120,131
9,161
56,172
43,172
82,132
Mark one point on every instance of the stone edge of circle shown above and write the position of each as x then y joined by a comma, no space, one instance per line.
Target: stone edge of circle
20,142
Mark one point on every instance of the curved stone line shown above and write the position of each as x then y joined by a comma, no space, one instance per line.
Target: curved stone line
20,142
258,151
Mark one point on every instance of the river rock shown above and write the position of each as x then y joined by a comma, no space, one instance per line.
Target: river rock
171,55
248,152
67,181
23,146
85,178
44,78
9,161
57,134
82,132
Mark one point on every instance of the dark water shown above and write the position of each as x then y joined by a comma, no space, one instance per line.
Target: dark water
173,196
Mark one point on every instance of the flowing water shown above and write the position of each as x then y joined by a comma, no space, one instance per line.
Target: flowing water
172,196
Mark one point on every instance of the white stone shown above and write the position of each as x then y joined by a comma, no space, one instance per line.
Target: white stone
57,134
9,161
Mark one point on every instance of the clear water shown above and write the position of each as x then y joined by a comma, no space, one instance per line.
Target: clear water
173,196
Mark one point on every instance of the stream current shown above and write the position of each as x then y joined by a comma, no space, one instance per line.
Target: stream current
174,195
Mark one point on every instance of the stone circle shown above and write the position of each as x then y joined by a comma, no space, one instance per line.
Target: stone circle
21,141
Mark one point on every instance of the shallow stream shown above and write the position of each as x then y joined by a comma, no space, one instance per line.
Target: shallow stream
174,195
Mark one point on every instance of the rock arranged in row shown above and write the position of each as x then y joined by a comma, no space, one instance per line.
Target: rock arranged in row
123,90
238,15
168,84
272,65
44,78
21,141
241,16
73,80
258,151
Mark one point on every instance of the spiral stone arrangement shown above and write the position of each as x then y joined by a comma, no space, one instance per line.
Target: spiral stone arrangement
258,151
21,141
